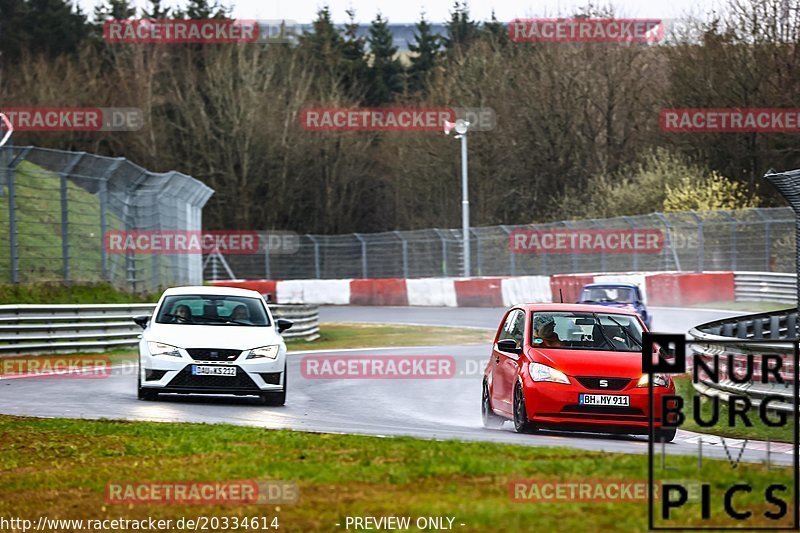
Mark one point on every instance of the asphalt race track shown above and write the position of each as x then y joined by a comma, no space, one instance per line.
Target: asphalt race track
427,408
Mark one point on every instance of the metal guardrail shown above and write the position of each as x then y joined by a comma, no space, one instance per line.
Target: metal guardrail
765,287
305,318
780,326
26,329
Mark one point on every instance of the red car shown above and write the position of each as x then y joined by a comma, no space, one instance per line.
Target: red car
571,367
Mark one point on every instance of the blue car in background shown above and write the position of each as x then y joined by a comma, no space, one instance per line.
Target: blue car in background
625,295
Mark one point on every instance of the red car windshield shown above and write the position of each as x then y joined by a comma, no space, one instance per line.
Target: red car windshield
586,331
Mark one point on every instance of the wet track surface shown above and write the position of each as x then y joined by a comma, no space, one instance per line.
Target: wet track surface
428,408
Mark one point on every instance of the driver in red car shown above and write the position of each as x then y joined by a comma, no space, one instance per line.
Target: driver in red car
546,332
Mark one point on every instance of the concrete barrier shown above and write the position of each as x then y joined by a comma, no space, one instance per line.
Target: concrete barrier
479,292
658,288
378,292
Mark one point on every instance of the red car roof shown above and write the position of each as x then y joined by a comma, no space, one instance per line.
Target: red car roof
584,308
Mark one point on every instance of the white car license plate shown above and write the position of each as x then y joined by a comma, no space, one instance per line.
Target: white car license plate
198,370
608,400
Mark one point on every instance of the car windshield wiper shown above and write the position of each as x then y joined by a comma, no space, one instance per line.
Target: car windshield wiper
178,317
603,333
624,330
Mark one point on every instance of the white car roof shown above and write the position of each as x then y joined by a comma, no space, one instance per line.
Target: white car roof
205,289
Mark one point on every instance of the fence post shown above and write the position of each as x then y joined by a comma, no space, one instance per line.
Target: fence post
64,188
477,251
512,258
767,236
316,255
668,226
635,254
12,225
444,251
603,260
103,194
701,245
404,247
573,255
12,212
363,254
267,269
732,220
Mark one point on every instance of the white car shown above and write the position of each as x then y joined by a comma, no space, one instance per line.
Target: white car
212,340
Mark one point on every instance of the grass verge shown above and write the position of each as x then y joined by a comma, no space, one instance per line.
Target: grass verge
79,293
344,335
758,431
61,468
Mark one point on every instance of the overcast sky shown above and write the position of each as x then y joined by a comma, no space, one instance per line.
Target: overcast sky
399,11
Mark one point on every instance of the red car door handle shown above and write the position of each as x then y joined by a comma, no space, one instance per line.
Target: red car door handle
497,359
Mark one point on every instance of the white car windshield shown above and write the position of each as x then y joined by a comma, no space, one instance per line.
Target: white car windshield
222,310
587,331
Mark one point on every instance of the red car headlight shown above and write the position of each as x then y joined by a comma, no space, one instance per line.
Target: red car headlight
540,372
659,380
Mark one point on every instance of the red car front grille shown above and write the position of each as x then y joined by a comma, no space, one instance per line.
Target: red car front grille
593,383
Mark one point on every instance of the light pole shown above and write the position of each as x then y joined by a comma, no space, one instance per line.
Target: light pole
462,127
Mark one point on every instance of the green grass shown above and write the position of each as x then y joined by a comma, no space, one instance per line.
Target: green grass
79,293
39,232
38,219
61,467
758,431
343,336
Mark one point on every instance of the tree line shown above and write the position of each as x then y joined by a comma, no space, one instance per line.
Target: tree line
577,131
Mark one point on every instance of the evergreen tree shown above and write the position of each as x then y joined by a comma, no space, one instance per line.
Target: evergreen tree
46,27
386,72
114,10
111,10
426,48
13,36
156,12
355,69
461,29
323,45
204,10
495,31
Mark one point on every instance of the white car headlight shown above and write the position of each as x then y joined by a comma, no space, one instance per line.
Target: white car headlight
270,352
159,348
540,372
659,380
